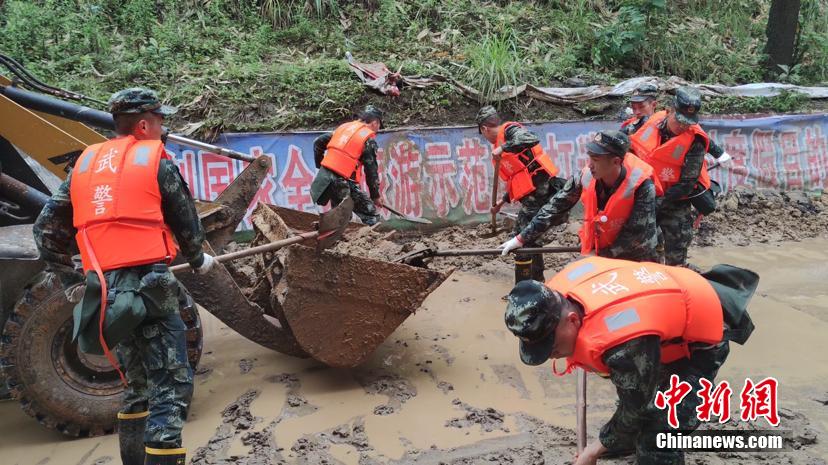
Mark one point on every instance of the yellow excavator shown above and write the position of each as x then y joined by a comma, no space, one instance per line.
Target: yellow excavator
42,132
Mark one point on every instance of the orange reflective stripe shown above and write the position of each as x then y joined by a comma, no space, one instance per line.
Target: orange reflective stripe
623,300
132,416
513,166
344,150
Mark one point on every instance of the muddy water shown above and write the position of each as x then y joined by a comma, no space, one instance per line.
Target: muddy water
448,387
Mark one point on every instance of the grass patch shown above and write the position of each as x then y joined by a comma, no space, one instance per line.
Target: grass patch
785,102
276,64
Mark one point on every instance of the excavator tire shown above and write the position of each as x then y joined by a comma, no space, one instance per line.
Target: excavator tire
62,388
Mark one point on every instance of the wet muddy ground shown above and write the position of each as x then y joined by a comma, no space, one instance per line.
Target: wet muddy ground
448,388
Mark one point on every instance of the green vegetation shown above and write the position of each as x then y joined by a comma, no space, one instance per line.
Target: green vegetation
785,102
248,65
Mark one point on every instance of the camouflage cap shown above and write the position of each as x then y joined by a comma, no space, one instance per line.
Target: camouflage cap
532,315
687,104
138,100
371,113
609,143
644,92
484,114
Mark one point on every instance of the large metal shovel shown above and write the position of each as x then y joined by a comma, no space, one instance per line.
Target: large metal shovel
331,226
406,217
417,257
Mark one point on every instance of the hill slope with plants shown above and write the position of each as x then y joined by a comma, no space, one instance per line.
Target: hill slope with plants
254,65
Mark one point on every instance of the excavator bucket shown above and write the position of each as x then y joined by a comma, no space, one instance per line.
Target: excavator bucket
302,221
334,305
340,307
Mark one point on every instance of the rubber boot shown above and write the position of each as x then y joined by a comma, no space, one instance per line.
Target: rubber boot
537,268
131,437
166,456
523,269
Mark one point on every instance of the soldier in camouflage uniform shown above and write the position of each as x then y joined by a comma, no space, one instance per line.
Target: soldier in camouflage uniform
153,354
548,324
520,140
643,102
638,238
675,216
329,186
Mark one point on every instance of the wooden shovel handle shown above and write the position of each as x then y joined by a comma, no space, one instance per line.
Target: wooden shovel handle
254,250
496,183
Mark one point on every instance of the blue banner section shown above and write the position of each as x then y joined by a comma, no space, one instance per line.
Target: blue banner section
446,174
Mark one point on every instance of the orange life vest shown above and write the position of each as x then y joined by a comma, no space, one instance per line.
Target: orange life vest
600,228
345,149
629,121
514,167
624,300
667,159
117,204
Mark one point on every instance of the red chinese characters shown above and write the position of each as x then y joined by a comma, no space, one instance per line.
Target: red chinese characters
759,400
474,176
714,401
756,400
403,169
562,153
671,398
440,173
295,181
816,149
792,171
217,172
186,166
736,144
763,158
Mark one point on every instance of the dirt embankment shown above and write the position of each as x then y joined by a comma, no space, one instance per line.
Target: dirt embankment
745,217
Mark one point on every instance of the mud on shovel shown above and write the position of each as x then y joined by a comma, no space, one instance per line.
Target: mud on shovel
405,217
417,258
329,230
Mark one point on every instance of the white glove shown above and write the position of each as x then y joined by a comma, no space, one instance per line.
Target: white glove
206,264
511,244
75,293
724,158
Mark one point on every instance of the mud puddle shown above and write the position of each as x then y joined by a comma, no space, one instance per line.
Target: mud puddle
448,387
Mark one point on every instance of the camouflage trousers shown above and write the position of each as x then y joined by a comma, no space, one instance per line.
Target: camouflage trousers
363,206
703,363
531,266
528,266
675,220
159,378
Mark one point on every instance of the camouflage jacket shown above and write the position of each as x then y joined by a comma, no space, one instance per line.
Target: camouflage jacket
519,139
369,162
631,128
689,176
54,232
634,368
637,239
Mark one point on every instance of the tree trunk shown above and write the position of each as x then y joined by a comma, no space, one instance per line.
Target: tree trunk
783,22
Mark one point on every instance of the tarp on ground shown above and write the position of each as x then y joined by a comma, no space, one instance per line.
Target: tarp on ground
378,77
445,174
